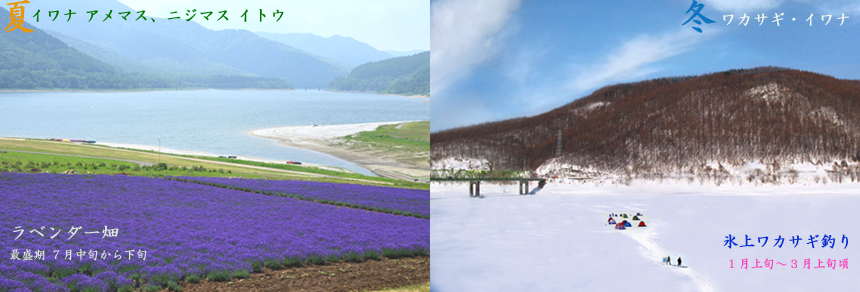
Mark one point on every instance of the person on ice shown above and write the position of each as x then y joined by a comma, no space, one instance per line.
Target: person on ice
679,261
668,260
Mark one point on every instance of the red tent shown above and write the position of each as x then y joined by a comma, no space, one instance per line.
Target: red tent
611,221
642,224
620,226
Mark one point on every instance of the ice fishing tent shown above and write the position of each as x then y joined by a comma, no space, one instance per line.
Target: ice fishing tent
636,218
642,224
626,224
623,215
620,226
638,214
611,221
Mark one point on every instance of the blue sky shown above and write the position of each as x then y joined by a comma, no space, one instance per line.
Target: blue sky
500,59
399,25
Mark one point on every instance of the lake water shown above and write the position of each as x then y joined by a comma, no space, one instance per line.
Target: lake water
211,121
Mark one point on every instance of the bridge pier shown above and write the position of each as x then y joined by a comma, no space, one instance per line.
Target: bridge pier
526,184
474,188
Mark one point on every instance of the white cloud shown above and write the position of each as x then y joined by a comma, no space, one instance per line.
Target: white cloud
462,35
630,60
743,6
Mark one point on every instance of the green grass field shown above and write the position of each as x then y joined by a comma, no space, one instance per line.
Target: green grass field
62,157
412,141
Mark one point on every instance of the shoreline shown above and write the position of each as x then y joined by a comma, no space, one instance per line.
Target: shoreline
377,93
320,138
200,153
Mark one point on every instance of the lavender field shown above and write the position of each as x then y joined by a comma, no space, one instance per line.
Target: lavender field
58,233
385,199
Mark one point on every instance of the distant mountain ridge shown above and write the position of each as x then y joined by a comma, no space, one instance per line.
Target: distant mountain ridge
37,60
344,49
671,124
189,48
402,75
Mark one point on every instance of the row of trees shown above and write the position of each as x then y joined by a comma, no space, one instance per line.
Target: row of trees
668,124
403,75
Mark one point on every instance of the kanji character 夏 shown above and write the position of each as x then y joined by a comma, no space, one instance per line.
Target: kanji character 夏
16,17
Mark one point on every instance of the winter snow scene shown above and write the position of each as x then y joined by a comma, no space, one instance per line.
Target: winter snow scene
630,146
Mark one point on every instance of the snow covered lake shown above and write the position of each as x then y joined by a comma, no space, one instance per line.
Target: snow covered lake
558,239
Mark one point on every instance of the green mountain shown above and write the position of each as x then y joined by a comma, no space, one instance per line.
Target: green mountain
37,60
186,47
344,49
402,75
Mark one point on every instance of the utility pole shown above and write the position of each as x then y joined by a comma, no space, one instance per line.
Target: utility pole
558,145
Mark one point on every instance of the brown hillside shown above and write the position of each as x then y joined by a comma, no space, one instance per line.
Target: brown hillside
761,114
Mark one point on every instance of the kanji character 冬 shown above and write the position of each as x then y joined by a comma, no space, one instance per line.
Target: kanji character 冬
696,8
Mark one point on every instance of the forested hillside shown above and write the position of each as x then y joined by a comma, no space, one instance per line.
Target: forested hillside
764,114
36,60
402,75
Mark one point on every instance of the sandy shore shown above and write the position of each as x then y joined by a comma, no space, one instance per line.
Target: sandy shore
322,139
199,153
